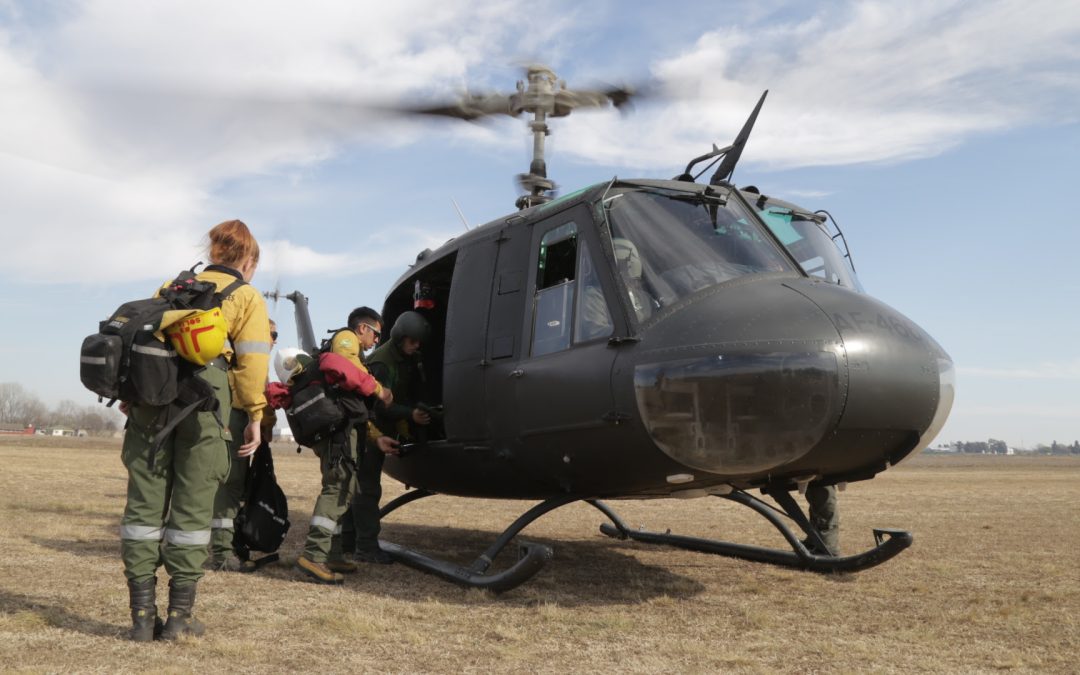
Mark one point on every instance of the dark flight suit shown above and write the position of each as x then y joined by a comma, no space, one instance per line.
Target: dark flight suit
404,377
824,514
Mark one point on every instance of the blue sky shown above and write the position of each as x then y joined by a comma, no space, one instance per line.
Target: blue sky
941,135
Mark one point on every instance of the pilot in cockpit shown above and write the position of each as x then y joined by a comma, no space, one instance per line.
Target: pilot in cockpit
630,268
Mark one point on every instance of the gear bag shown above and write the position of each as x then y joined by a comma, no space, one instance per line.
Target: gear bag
318,409
263,520
128,359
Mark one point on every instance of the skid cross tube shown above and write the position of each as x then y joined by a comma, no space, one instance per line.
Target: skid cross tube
888,542
532,556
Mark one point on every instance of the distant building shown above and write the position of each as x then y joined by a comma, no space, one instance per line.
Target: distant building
17,429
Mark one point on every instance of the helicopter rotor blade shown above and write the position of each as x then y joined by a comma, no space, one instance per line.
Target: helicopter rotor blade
469,107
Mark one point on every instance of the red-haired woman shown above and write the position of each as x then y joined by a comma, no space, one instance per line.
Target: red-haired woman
170,500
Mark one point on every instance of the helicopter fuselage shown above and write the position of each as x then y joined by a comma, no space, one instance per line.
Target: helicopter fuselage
654,338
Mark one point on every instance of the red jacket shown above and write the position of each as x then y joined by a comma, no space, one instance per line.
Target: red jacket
337,371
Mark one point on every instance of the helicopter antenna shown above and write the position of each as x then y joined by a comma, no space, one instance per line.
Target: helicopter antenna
731,156
460,214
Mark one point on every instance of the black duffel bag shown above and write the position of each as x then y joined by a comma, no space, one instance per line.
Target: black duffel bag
263,520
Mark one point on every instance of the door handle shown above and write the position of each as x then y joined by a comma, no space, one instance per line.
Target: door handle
517,372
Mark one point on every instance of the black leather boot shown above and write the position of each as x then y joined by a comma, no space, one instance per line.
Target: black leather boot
145,624
180,621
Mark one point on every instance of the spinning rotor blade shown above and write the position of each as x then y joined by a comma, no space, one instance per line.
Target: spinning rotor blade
567,100
468,107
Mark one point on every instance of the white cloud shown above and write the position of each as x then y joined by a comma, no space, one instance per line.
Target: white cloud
868,82
121,119
375,253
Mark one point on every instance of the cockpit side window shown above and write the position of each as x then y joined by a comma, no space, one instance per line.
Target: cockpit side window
806,238
555,285
558,256
593,318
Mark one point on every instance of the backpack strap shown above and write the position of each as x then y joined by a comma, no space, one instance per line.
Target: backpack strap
193,395
328,343
228,290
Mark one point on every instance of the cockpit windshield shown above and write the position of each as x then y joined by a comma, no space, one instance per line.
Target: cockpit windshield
805,237
669,245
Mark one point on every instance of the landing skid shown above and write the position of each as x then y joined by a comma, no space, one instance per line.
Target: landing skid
888,542
533,556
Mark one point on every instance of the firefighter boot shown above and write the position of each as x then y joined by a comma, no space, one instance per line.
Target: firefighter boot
180,621
145,624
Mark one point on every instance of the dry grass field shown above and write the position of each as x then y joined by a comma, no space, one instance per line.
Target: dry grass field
991,583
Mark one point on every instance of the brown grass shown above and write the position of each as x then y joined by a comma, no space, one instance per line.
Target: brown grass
991,584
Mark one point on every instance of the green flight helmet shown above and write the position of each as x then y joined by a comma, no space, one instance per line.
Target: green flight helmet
410,324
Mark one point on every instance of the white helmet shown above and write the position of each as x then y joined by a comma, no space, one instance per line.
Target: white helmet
288,362
626,254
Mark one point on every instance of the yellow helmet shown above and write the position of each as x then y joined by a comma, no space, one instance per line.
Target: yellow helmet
200,338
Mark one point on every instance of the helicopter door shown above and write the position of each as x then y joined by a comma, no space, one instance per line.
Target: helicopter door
563,378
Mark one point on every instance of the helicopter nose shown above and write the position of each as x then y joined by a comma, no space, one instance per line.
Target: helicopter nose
901,385
791,376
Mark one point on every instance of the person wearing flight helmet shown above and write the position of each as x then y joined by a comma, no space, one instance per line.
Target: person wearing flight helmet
170,500
397,366
630,268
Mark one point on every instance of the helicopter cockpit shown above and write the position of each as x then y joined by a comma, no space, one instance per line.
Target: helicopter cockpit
669,245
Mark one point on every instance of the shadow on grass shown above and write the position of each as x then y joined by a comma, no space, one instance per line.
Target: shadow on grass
59,509
96,548
56,616
582,573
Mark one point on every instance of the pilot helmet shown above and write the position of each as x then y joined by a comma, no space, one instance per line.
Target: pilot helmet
626,255
200,338
410,324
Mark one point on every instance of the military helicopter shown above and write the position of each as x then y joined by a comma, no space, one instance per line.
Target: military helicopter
643,339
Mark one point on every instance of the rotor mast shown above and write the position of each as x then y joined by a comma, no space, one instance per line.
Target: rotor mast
538,98
543,95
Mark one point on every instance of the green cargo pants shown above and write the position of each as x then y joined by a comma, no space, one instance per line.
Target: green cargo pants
167,516
231,491
360,525
338,488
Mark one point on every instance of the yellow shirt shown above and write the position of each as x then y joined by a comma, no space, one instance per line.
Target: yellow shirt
346,343
248,349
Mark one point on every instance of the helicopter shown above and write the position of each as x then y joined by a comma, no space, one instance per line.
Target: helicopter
646,339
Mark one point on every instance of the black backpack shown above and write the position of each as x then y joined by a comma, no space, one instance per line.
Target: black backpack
263,520
125,361
319,409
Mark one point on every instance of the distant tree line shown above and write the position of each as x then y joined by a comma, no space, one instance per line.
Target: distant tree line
994,446
1056,448
21,407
